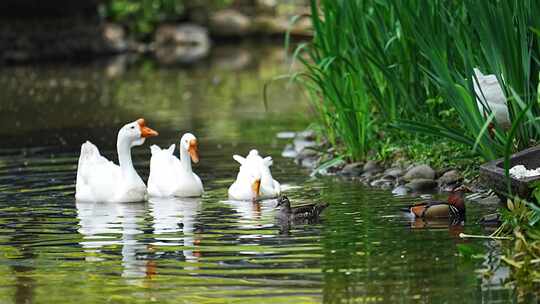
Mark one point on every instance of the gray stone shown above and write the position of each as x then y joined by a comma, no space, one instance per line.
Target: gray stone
372,166
310,162
449,178
421,184
394,172
182,34
420,172
289,151
352,169
229,22
307,152
185,43
266,6
115,36
306,135
286,135
301,144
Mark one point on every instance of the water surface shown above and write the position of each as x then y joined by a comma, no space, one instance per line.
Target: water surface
208,250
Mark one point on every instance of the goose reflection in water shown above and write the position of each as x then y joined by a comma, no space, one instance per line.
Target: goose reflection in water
102,223
252,214
173,215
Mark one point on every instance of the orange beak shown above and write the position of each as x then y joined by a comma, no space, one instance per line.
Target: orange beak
193,150
146,131
256,187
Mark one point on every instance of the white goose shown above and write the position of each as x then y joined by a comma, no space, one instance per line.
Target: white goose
100,180
254,180
490,98
170,176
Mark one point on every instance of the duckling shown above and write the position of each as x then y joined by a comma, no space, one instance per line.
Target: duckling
308,211
453,208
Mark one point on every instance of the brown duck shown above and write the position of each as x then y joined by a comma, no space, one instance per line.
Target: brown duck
308,211
453,208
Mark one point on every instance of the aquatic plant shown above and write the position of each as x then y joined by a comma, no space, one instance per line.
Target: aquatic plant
410,64
359,71
521,220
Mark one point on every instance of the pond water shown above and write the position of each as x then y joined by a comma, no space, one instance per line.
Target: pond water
208,250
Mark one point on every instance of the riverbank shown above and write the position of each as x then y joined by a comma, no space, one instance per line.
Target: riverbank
418,168
183,35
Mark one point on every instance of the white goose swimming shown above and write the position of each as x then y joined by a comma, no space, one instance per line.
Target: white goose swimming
170,176
254,180
100,180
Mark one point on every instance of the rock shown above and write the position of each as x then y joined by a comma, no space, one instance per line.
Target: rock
306,135
369,176
266,6
185,43
400,191
449,178
302,144
270,25
230,23
421,184
307,152
353,169
393,172
182,34
115,36
286,135
289,151
372,166
420,172
309,162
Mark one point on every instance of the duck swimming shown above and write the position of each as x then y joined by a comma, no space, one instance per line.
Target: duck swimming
308,211
170,176
453,208
254,180
100,180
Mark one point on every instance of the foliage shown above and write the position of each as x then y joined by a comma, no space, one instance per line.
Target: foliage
521,220
359,71
379,63
142,16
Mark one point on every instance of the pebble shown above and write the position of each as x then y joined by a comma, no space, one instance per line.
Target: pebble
353,169
289,151
286,135
449,178
420,172
372,166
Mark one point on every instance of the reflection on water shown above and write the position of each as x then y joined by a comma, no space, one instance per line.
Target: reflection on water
172,215
208,250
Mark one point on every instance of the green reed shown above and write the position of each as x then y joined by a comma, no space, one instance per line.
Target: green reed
359,71
379,63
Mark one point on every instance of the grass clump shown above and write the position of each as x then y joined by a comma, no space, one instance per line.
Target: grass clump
377,64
